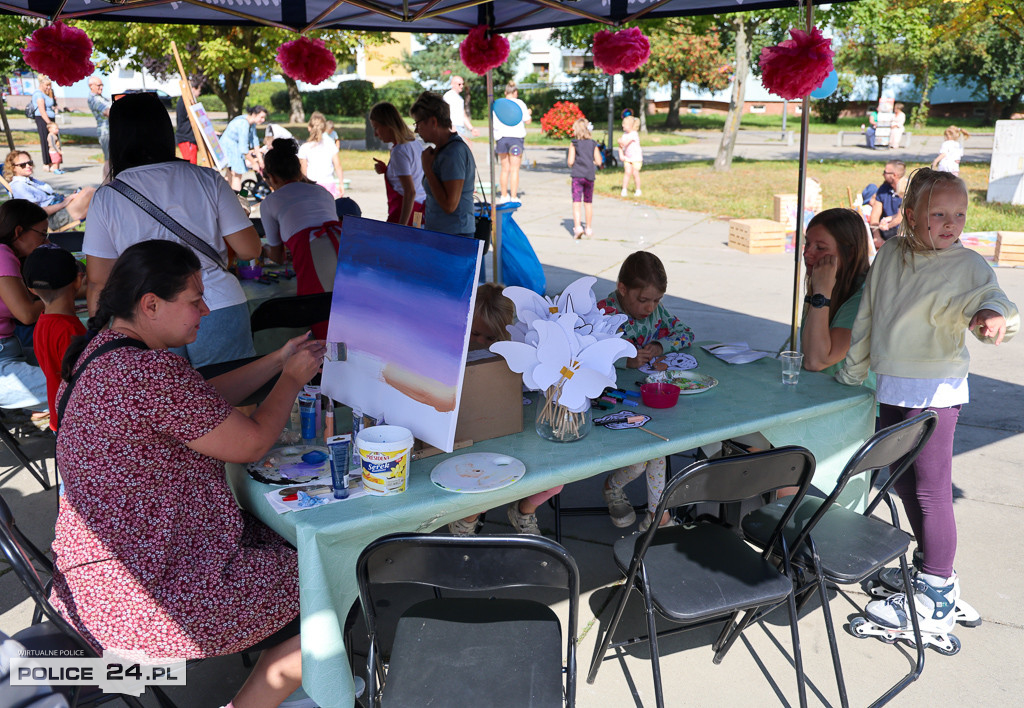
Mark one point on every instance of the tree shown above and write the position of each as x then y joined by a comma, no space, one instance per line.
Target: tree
990,60
228,57
14,31
439,60
680,53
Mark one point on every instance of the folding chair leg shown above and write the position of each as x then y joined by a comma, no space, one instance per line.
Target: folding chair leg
602,648
798,661
830,630
652,637
730,633
557,499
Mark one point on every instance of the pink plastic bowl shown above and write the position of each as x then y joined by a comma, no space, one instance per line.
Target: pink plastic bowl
659,395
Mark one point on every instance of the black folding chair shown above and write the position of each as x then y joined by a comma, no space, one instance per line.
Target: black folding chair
37,468
705,573
835,545
54,635
293,312
506,652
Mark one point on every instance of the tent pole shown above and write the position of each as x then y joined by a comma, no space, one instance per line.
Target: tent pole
495,231
611,114
798,239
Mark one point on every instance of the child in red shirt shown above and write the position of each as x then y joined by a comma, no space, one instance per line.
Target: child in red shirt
52,274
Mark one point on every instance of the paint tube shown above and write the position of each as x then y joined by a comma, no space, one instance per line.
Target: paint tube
340,447
307,413
357,425
328,418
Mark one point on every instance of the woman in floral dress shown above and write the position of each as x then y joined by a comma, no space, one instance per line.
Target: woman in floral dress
152,554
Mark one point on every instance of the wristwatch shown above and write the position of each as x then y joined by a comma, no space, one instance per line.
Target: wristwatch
817,300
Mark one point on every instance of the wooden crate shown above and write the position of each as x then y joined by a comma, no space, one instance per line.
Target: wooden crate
784,207
757,235
1010,248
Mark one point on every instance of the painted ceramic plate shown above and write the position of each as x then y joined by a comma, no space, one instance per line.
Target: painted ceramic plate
690,382
284,465
477,472
676,361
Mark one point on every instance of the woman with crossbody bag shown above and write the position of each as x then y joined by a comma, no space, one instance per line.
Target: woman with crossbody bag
194,206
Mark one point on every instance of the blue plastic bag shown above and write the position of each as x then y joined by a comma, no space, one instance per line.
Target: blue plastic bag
520,265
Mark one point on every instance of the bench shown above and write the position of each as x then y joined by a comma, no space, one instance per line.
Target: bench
861,139
760,137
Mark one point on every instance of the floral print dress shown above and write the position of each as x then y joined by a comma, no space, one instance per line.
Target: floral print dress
152,553
662,327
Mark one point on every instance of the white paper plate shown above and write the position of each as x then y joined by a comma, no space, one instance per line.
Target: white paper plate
699,382
676,361
477,472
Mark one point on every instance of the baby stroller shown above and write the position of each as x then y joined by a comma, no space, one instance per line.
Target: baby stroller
257,188
608,158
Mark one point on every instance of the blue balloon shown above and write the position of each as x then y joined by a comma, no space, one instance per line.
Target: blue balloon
507,111
828,87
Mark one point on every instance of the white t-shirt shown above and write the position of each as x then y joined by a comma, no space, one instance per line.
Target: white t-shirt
196,197
457,107
294,207
953,152
512,131
319,159
406,159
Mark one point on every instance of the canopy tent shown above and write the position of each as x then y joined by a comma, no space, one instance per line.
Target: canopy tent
444,16
441,16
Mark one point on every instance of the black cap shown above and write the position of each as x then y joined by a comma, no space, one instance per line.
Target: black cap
49,268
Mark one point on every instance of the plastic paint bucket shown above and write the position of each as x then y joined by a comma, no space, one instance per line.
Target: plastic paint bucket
384,453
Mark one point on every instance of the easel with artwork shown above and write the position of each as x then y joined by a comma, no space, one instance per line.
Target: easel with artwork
203,157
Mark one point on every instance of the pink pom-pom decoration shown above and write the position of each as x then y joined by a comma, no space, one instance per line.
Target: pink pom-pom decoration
60,52
621,52
797,66
481,53
307,60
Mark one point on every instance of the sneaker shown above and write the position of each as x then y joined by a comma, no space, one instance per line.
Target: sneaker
461,527
522,523
58,172
637,193
619,507
935,606
624,193
645,523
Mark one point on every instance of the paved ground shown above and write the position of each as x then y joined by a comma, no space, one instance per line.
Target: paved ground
723,294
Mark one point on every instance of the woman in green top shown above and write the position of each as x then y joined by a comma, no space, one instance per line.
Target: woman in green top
836,256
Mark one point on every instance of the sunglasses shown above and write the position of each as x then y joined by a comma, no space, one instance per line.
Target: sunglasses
29,163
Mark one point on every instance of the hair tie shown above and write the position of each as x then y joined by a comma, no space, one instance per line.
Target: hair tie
90,333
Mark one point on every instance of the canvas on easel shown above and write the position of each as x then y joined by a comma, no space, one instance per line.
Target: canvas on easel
203,127
403,306
203,156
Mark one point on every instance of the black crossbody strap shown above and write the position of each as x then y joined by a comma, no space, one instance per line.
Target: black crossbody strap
196,243
97,352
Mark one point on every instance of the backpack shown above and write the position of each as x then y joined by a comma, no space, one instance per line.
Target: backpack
30,109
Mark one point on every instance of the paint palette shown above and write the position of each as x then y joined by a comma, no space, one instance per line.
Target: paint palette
295,464
689,382
676,361
477,472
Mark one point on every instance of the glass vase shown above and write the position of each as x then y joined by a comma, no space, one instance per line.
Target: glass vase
556,422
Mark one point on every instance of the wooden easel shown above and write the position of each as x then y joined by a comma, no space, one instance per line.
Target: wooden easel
203,157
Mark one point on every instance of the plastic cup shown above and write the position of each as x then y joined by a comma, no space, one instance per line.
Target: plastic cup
791,363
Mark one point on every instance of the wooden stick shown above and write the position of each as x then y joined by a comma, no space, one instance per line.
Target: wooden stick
649,432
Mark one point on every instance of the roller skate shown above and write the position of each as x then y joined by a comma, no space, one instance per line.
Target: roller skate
889,620
890,582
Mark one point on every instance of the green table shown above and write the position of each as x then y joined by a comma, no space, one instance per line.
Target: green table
828,418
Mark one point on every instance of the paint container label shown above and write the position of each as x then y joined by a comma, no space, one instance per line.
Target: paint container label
339,447
384,453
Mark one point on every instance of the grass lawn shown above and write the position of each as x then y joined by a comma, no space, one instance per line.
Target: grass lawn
362,159
714,122
745,192
30,138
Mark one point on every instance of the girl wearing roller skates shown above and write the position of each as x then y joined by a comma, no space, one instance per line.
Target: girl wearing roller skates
924,292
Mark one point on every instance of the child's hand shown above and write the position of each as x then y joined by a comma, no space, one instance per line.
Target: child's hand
990,324
644,355
380,167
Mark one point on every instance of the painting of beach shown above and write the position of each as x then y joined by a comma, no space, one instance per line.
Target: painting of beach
403,305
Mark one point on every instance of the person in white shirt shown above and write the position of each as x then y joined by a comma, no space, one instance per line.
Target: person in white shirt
951,151
509,142
403,173
319,157
457,109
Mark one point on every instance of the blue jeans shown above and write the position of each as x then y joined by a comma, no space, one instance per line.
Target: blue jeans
224,335
21,384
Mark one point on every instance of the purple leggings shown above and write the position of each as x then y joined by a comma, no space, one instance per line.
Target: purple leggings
927,488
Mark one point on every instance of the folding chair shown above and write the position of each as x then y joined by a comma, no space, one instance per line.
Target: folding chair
836,545
505,652
37,468
705,573
293,311
54,635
